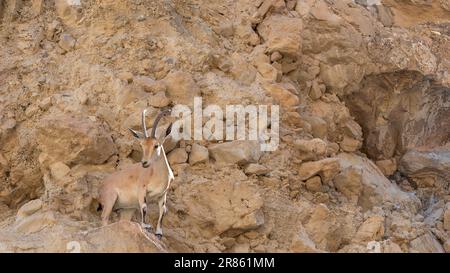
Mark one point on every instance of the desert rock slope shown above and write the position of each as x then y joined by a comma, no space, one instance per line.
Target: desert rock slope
363,163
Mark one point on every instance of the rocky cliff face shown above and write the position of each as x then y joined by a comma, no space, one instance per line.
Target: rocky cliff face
363,163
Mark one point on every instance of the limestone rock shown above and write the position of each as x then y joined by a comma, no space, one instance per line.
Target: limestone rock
326,168
281,95
349,182
314,184
371,230
447,219
313,149
235,152
426,243
257,169
282,34
71,139
376,188
67,42
159,100
181,87
387,166
198,154
150,85
29,208
177,156
59,170
35,222
119,237
242,70
231,205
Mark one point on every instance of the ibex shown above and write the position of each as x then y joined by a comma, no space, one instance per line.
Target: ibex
130,189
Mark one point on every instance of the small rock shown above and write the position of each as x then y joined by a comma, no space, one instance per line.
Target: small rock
276,56
256,169
31,110
67,42
45,103
327,168
281,95
313,149
316,91
150,85
314,184
226,29
198,154
235,152
181,87
371,230
159,100
29,208
350,144
387,166
268,72
126,76
59,170
177,156
319,126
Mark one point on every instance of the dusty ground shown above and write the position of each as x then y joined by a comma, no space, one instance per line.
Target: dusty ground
363,163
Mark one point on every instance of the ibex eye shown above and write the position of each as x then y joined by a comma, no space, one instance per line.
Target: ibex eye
156,146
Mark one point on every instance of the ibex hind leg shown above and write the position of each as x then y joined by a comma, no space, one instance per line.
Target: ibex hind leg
107,207
162,212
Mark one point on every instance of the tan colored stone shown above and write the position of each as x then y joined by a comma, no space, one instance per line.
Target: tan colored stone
29,208
198,154
387,166
177,156
313,149
326,168
59,170
350,144
35,222
238,151
314,184
371,230
282,34
181,87
257,169
348,182
281,95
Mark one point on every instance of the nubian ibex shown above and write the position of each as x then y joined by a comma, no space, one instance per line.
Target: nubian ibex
130,189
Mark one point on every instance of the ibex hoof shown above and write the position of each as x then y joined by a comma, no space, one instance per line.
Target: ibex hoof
159,236
147,227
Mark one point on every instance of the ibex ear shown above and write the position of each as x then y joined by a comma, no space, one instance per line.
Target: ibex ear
164,136
136,134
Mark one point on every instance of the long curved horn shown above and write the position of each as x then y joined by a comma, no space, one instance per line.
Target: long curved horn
157,119
144,127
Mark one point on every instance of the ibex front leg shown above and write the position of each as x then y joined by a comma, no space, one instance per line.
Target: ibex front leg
143,210
162,211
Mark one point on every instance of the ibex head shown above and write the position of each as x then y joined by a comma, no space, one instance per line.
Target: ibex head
150,144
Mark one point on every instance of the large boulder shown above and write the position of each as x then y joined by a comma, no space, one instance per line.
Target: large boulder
282,34
426,167
221,205
181,87
74,140
376,188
